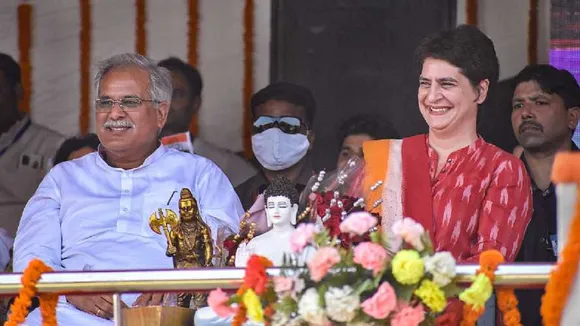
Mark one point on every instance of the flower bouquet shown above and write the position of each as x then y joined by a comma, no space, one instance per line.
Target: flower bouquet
330,198
361,285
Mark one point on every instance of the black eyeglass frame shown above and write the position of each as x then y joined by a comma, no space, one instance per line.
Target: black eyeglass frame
301,129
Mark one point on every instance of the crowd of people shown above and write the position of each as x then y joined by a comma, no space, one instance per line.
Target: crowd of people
84,203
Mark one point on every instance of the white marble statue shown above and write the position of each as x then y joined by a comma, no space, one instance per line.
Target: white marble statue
281,199
274,244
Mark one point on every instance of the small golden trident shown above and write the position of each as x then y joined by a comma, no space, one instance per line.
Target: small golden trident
167,222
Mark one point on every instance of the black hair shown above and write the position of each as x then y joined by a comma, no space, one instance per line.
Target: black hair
372,125
287,92
11,69
552,81
191,74
465,47
281,186
74,144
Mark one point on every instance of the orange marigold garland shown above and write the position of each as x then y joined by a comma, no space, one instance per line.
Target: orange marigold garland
24,46
248,89
471,9
508,305
488,264
141,34
240,317
48,302
192,49
255,279
85,65
563,276
269,311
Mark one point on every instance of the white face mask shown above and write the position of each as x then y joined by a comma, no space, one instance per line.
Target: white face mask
276,150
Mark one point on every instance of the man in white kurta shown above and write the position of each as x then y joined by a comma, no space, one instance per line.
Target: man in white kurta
87,215
91,214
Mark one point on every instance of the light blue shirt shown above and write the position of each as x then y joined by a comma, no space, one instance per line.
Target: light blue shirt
89,215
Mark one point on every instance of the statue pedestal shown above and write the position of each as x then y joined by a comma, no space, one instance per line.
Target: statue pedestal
158,316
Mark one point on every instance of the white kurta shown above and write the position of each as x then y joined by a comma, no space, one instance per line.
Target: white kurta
89,215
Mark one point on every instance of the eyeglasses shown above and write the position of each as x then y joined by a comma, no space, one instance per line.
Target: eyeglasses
127,103
288,125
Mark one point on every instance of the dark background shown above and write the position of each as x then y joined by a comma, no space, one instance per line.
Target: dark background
357,57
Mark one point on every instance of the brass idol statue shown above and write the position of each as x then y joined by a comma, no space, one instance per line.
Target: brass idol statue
189,241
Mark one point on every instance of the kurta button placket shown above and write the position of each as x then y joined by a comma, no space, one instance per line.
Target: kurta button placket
125,201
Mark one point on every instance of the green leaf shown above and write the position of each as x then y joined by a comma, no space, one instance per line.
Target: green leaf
366,285
426,239
321,291
322,238
430,320
404,292
361,317
452,290
270,295
286,305
234,299
376,237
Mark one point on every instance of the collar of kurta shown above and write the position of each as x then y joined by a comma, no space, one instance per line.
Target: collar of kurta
101,157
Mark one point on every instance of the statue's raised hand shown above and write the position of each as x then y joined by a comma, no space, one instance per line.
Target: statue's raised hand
242,255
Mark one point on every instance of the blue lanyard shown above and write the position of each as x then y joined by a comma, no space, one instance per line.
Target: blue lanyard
17,137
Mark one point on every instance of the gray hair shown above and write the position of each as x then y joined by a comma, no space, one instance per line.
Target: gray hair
160,87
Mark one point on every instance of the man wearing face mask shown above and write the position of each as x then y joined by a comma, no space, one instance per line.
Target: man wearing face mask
185,104
282,135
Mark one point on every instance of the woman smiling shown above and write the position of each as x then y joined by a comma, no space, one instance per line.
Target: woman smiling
470,195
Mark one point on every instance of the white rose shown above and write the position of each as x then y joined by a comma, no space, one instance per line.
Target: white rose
442,266
280,319
309,308
342,304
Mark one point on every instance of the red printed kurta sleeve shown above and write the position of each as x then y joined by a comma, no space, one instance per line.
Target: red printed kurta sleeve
505,211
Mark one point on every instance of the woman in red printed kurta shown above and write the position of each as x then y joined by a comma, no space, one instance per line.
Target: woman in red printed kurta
468,194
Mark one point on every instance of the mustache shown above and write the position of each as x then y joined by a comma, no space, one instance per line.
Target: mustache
118,124
532,124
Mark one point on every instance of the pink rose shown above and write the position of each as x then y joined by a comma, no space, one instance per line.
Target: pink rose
358,223
302,236
217,300
410,231
408,316
322,261
380,305
371,256
282,284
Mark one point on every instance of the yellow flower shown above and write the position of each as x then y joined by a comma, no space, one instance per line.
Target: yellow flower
432,296
253,305
408,267
478,293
